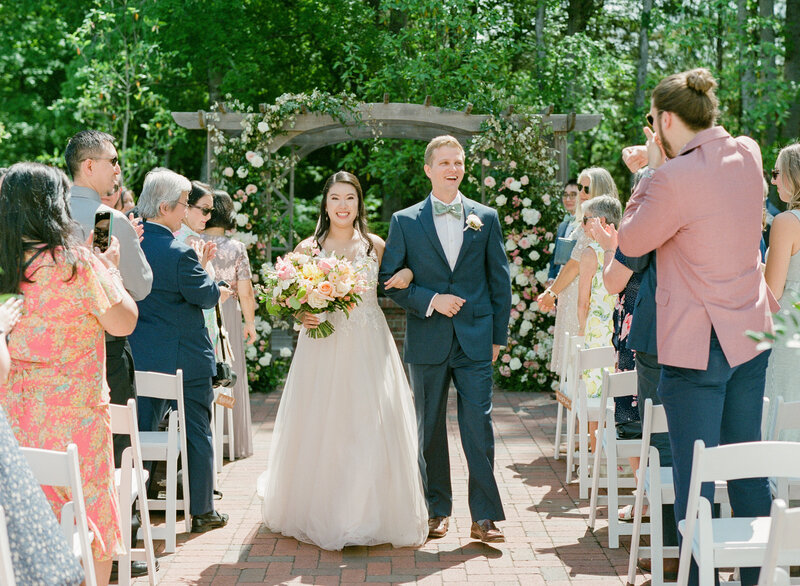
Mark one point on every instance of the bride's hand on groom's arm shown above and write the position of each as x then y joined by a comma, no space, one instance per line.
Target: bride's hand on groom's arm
400,280
447,304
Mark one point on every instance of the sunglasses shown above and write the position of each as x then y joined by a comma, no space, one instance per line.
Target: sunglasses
112,160
775,173
583,188
649,118
204,211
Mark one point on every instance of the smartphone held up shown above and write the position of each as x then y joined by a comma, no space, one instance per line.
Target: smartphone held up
101,236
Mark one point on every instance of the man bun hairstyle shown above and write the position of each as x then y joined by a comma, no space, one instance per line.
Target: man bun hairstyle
690,95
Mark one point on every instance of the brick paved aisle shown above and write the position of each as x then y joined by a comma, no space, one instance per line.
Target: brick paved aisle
548,541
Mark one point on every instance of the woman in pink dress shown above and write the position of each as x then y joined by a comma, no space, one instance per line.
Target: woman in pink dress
56,393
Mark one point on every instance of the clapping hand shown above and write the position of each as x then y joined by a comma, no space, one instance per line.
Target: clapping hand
604,235
206,251
137,225
635,157
656,155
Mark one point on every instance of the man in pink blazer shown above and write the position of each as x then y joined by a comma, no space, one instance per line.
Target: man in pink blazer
700,207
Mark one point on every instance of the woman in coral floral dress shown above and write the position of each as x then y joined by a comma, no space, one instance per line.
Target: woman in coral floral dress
56,393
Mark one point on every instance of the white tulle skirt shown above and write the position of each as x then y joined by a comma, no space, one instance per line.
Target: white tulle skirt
343,468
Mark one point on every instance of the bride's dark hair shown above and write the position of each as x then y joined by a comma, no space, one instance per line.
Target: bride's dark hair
360,223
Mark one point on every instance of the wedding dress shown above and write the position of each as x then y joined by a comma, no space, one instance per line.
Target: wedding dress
343,467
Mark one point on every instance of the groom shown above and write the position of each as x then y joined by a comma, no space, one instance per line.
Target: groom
457,310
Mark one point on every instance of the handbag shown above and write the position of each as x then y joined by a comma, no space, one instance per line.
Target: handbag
563,250
225,376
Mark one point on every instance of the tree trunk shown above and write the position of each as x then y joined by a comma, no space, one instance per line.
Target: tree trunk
579,12
766,10
540,30
641,68
747,74
791,67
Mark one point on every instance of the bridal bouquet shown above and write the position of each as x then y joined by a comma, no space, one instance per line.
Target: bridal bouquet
314,284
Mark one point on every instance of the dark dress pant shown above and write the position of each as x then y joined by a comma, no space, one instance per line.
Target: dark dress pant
719,405
197,399
121,383
473,382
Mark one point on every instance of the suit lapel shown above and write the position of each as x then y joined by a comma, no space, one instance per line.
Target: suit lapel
469,234
426,219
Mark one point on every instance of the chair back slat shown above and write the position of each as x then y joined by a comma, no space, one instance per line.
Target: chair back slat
158,385
747,460
590,358
785,417
622,384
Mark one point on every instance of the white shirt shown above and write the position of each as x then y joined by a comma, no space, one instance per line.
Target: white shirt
450,231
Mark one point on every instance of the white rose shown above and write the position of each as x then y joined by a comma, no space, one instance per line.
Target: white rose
241,219
228,171
242,172
541,276
531,216
317,300
237,206
528,314
257,161
515,186
546,199
510,245
251,352
265,359
551,247
342,287
514,270
500,200
533,255
515,299
515,364
521,280
263,126
526,202
525,327
285,352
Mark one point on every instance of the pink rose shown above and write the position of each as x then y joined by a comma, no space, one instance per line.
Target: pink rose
506,358
325,289
509,220
250,189
514,314
505,371
228,171
508,181
524,180
513,164
518,260
524,243
521,306
489,182
326,264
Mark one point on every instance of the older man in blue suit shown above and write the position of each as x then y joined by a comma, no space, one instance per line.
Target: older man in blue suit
172,335
457,312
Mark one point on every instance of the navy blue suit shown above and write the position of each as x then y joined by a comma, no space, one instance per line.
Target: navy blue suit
440,349
171,335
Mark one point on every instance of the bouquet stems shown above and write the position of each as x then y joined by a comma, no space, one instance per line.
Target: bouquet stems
323,330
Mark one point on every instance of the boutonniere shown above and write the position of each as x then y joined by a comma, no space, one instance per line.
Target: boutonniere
473,223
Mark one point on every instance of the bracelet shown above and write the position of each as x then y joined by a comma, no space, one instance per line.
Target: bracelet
551,292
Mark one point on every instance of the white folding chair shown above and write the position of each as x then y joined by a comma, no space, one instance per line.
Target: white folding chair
131,481
564,392
167,446
785,417
783,545
738,542
611,450
587,410
52,468
6,566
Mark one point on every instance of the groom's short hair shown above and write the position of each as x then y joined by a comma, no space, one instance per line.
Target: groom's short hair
441,141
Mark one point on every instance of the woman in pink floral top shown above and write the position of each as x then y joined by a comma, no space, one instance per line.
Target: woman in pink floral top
56,393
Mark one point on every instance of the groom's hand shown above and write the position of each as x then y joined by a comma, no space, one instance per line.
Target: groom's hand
447,304
495,351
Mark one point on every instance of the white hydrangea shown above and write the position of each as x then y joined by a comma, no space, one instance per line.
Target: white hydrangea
263,326
250,352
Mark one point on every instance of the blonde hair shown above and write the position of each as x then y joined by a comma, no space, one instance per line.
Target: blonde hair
788,164
439,142
690,95
600,183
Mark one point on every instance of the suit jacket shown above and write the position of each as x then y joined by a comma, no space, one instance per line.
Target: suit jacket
702,212
480,276
171,332
642,337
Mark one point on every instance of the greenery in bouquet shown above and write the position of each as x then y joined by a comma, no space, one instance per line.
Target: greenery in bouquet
312,283
519,174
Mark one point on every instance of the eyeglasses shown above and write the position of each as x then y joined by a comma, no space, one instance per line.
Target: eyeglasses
204,211
569,195
775,173
649,118
583,188
586,219
112,160
184,204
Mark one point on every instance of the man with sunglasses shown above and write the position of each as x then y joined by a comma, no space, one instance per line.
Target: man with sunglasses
700,206
93,162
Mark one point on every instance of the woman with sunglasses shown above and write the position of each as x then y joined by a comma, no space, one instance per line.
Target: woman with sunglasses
783,274
591,182
198,211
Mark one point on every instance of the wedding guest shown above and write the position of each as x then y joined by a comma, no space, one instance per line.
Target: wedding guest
568,200
171,333
699,206
10,312
56,393
92,160
128,201
233,266
783,275
592,182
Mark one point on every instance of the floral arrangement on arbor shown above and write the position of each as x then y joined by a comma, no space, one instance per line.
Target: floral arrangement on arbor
248,171
519,173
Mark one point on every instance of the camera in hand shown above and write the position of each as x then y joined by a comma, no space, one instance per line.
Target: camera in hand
101,237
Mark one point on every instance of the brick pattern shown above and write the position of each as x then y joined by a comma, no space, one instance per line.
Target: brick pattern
548,541
396,318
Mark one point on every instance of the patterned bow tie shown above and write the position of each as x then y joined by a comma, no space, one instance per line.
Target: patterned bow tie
453,209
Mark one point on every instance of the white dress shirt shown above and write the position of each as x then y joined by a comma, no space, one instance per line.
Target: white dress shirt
450,231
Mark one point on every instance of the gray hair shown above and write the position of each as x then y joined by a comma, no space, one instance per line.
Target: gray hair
604,206
161,186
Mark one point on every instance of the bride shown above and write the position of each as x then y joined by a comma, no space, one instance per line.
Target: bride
343,468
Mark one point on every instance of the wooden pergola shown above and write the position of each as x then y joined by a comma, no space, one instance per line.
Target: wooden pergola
385,119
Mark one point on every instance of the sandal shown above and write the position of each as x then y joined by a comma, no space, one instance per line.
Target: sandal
625,514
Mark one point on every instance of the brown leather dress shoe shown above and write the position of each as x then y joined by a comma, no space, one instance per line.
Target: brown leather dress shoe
670,567
486,531
437,527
